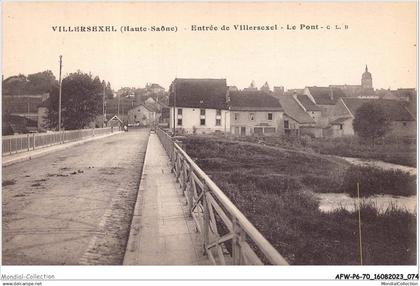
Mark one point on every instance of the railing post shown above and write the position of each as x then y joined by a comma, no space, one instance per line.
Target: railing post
33,136
206,218
29,141
10,146
237,240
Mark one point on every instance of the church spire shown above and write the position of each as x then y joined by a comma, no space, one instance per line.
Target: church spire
366,69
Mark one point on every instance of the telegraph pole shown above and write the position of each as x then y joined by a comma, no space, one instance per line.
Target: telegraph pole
103,106
59,97
174,90
118,105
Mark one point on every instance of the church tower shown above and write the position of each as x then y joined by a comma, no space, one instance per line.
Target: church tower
367,80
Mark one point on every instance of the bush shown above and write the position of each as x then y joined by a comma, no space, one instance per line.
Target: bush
377,181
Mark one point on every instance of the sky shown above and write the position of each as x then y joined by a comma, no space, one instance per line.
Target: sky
381,35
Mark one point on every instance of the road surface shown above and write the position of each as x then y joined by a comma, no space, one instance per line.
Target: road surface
73,206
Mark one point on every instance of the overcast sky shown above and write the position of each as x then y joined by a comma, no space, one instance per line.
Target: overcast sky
381,35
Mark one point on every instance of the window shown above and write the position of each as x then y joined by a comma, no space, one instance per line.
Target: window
270,130
135,117
341,126
236,116
286,124
404,123
218,112
270,116
258,130
202,112
179,121
252,116
179,111
218,122
202,121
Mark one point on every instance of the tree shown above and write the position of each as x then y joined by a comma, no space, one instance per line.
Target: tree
109,93
370,121
81,101
125,91
36,83
40,82
15,85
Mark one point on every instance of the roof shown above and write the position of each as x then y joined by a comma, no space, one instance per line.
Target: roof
395,110
294,110
340,120
323,96
253,100
21,104
199,93
155,85
149,107
117,118
307,103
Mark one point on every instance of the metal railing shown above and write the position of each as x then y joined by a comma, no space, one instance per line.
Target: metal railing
228,236
13,144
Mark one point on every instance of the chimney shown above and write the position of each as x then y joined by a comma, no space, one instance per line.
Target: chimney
331,93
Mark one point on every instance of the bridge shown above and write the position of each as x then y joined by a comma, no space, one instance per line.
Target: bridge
133,198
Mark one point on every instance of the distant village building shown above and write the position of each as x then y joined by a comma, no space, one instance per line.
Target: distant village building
278,91
200,105
265,88
325,99
23,113
155,88
254,113
402,122
295,117
143,115
252,87
364,90
367,86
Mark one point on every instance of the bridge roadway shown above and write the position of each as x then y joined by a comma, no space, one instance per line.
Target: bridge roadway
73,206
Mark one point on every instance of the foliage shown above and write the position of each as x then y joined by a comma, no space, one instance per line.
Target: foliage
125,91
109,93
270,188
397,150
81,101
6,127
377,181
36,83
370,121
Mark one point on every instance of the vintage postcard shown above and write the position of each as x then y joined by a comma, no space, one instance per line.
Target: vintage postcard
212,133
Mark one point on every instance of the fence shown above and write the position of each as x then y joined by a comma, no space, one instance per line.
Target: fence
229,238
20,143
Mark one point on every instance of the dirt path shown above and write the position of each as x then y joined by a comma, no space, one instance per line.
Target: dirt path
379,164
73,206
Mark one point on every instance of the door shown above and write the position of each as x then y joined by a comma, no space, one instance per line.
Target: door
243,131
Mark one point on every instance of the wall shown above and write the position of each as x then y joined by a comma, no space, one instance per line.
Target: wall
191,120
403,128
141,115
260,120
42,118
312,131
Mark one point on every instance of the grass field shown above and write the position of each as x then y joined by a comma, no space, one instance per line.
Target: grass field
274,189
392,150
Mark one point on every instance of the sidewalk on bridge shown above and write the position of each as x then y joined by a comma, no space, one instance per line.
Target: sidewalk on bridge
162,232
28,155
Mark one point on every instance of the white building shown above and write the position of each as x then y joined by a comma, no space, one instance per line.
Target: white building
200,106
